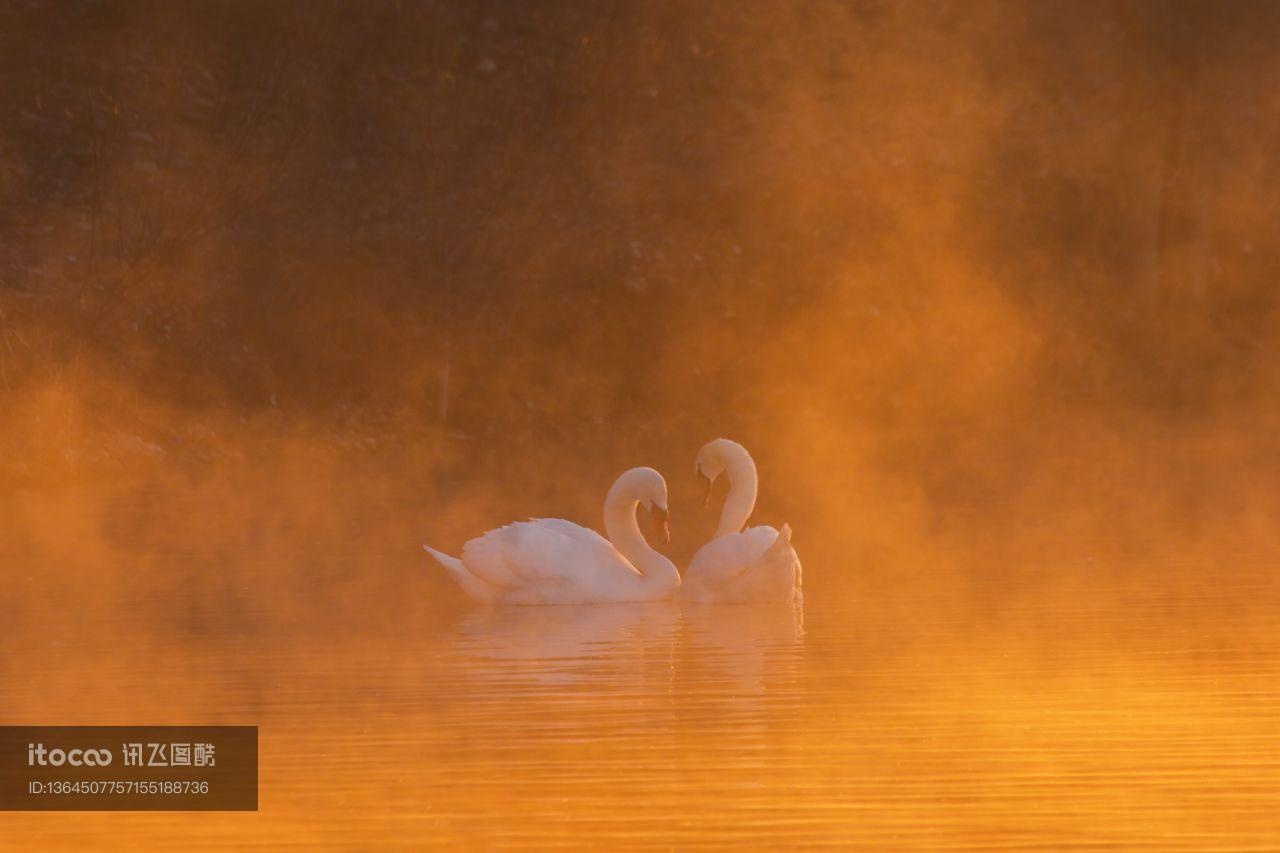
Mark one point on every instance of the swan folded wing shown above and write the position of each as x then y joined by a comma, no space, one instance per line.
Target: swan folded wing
583,534
597,554
723,560
532,552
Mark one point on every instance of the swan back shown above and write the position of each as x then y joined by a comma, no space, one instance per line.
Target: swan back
755,565
539,552
723,559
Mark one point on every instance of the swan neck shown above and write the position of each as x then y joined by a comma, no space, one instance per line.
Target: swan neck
623,531
740,468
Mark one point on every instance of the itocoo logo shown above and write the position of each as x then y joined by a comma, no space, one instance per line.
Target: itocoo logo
37,754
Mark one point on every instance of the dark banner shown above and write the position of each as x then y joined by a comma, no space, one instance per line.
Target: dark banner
129,768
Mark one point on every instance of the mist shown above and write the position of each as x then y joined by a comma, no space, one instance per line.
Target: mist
987,289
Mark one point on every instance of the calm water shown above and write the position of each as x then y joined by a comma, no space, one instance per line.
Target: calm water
1154,724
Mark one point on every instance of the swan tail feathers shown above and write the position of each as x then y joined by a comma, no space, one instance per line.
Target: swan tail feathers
782,545
471,585
453,564
783,557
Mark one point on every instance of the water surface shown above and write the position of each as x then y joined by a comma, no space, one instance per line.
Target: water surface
1150,723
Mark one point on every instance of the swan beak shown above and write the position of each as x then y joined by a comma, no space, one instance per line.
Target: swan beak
706,487
660,517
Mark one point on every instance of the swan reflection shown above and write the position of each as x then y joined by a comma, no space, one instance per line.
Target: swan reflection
558,647
626,648
747,649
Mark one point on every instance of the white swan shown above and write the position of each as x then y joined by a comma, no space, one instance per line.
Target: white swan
553,561
756,564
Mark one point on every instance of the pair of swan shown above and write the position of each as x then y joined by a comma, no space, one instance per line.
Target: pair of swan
553,561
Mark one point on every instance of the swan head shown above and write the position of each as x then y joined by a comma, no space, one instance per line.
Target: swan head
649,490
712,460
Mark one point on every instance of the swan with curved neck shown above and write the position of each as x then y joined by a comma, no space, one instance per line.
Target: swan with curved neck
553,561
723,456
634,487
756,564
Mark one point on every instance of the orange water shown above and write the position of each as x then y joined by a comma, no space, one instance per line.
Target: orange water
1152,723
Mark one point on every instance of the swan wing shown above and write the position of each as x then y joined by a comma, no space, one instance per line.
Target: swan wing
535,552
597,553
583,534
723,560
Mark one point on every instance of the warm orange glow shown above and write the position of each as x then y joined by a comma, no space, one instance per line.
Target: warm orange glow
988,291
